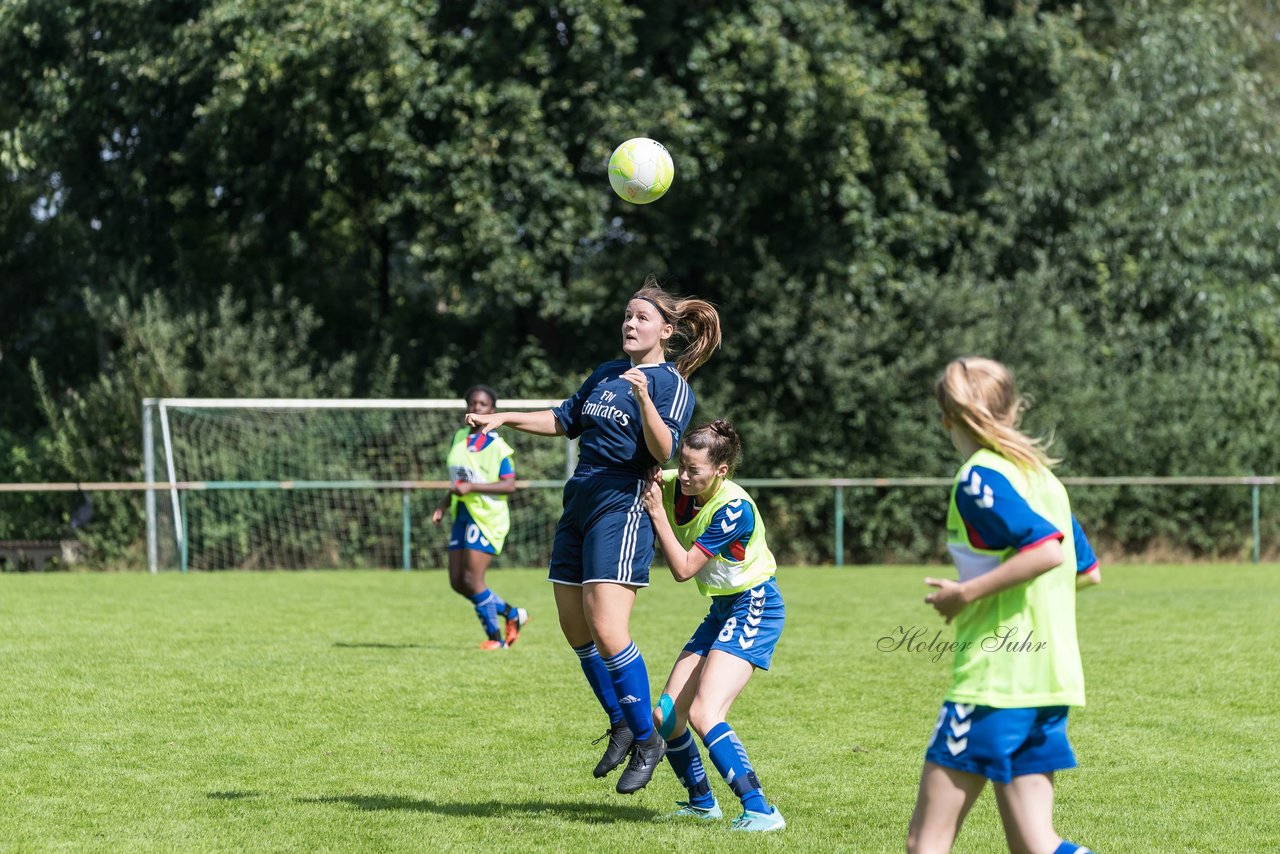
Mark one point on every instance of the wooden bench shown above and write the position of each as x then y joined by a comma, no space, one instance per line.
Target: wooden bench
35,555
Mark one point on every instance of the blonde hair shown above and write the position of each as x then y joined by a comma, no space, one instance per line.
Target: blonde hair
979,395
696,321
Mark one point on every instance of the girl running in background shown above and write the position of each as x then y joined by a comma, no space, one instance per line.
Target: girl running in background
483,476
1016,669
710,531
628,416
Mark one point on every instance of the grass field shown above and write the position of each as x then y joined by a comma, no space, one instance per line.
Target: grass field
352,711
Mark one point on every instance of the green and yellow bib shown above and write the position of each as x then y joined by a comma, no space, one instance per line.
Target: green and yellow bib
722,575
490,512
1016,648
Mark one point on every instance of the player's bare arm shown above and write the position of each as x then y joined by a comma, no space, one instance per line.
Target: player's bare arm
657,435
505,486
540,423
951,597
683,564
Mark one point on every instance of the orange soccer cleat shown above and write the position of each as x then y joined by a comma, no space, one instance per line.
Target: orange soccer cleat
515,624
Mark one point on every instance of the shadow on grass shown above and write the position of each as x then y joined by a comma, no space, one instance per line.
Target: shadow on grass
589,813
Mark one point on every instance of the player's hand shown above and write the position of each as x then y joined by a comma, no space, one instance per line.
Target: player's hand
639,384
653,498
949,599
462,487
487,422
437,515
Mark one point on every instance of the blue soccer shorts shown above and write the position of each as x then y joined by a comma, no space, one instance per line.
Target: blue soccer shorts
746,625
466,534
604,534
1001,744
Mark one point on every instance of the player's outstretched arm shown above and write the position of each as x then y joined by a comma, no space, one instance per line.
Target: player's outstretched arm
540,423
505,486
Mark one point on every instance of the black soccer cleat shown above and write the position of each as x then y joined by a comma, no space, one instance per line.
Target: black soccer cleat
620,739
645,757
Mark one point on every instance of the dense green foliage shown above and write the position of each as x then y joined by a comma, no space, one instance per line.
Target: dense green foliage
335,197
352,711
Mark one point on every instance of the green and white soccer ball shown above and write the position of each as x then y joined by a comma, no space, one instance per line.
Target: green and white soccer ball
641,171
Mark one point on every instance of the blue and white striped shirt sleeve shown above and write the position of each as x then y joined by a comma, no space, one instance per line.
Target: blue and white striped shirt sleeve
674,401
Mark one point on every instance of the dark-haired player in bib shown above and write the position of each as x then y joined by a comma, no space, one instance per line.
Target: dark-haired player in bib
483,476
710,531
629,417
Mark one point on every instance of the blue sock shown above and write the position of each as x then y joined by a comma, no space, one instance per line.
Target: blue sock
682,753
501,607
487,613
730,759
598,678
631,685
1071,848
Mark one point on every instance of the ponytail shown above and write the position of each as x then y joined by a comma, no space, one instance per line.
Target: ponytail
696,322
978,395
701,331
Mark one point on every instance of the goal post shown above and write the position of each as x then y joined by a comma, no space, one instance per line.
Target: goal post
319,483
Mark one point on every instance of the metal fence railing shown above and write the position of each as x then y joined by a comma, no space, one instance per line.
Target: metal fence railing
836,485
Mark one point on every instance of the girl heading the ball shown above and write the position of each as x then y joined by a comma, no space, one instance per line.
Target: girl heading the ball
1017,548
629,416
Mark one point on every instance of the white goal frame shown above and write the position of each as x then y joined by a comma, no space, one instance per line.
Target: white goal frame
157,408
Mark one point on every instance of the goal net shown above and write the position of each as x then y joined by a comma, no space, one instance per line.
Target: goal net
301,484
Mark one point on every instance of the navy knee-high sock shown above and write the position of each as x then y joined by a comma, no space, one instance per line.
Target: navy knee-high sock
598,677
631,685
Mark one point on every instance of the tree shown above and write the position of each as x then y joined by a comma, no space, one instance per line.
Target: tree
159,350
866,191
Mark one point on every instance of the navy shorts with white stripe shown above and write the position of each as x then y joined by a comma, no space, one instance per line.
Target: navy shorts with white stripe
604,534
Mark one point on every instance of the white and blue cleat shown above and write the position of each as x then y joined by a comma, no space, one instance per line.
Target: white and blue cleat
759,822
688,810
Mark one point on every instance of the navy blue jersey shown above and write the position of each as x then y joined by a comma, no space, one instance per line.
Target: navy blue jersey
604,416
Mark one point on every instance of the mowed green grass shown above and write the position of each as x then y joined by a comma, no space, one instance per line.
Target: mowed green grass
336,711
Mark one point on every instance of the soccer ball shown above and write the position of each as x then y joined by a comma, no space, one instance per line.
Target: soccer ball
640,170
